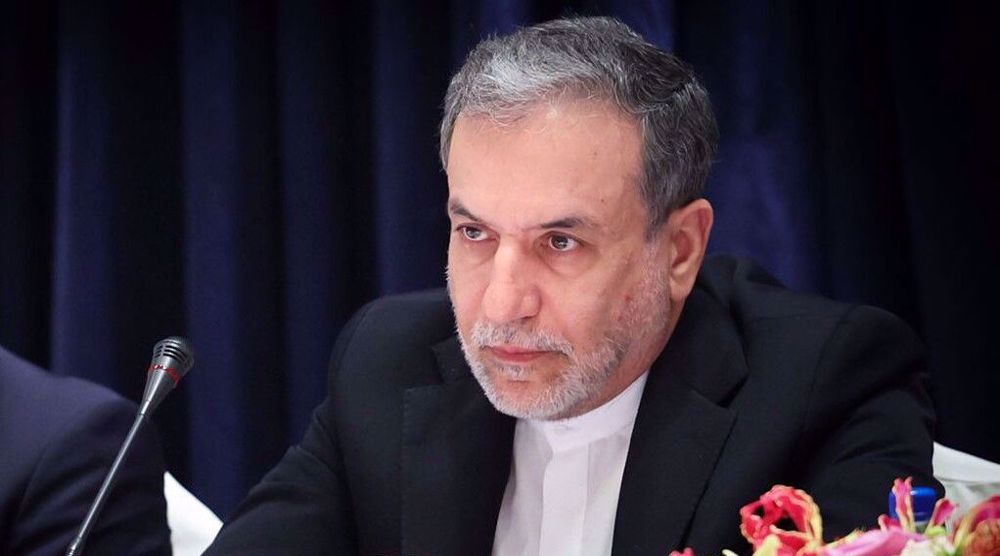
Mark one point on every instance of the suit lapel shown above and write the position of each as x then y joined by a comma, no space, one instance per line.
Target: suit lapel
680,430
456,460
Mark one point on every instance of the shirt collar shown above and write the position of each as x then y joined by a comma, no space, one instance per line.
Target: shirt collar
603,421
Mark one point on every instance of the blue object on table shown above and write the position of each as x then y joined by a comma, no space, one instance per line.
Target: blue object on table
923,498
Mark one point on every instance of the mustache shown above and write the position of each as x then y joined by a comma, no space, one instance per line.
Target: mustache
488,334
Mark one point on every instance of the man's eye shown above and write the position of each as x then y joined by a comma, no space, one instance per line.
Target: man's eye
473,234
563,243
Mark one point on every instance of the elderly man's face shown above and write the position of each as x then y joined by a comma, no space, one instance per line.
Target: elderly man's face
560,300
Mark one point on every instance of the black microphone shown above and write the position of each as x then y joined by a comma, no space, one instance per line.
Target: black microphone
172,359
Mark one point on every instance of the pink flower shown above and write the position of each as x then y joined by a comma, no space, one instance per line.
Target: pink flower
887,523
983,516
942,512
759,521
988,509
889,542
903,491
985,539
687,552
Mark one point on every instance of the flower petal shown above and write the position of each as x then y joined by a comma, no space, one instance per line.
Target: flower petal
887,523
942,512
874,543
987,510
903,490
759,521
985,539
768,547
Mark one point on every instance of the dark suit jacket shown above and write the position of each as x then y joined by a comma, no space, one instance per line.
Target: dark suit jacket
58,437
757,386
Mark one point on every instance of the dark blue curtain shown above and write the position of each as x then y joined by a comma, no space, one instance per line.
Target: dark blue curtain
248,173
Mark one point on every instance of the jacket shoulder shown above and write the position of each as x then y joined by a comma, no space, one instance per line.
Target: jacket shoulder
25,389
392,333
64,434
399,323
757,303
750,292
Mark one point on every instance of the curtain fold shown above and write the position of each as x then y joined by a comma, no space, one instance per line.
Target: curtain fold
234,235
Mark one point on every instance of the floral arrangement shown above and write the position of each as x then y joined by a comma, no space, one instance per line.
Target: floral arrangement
977,533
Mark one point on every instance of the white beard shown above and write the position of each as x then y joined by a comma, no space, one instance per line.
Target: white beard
587,373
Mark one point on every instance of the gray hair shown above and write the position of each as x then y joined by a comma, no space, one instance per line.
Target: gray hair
597,57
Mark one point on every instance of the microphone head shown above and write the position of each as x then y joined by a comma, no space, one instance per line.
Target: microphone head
177,349
172,359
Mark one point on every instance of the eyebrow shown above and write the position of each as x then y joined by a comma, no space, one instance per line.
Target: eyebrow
569,222
458,209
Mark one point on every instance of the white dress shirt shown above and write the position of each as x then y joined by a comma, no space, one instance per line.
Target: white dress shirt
562,493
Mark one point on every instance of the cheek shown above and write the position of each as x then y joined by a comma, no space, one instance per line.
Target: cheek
466,288
629,302
468,262
585,315
579,316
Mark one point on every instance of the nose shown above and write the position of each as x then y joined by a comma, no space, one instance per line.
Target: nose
512,293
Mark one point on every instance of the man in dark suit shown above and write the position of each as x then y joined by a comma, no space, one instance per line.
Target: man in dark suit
606,391
58,437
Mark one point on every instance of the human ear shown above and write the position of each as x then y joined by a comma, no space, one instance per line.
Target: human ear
687,230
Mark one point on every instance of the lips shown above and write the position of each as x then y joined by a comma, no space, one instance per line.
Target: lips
514,354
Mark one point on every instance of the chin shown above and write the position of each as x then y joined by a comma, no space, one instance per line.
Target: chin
527,398
520,393
516,395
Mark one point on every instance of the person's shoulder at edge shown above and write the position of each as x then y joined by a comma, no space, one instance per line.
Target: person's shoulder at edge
29,385
62,434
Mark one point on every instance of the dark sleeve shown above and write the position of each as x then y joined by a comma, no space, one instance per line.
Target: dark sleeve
68,476
302,506
870,420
